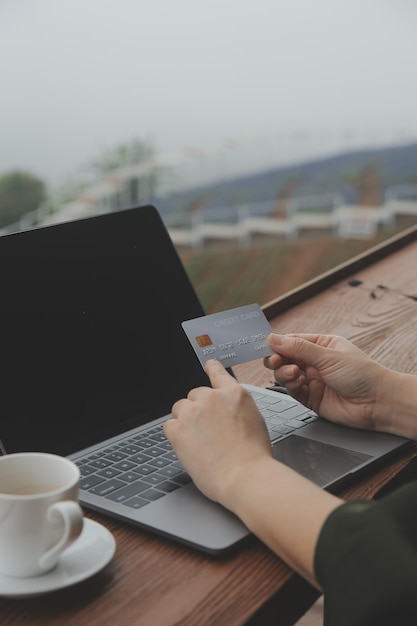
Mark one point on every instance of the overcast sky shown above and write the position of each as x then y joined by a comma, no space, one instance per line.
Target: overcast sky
78,76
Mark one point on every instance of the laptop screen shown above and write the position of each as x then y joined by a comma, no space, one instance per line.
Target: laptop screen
92,341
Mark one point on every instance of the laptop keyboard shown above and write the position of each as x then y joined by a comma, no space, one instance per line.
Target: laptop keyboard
142,468
282,416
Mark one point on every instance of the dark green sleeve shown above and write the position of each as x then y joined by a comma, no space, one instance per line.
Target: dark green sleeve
366,561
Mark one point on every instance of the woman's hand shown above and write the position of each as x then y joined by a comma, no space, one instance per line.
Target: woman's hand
330,375
221,440
217,433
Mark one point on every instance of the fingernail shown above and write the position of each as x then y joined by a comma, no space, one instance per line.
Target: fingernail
278,340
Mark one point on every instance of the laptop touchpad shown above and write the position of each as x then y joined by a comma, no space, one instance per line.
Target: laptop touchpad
320,462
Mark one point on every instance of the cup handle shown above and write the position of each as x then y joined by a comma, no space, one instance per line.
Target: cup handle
71,514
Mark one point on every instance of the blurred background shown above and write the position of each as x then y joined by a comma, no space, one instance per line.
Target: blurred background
277,138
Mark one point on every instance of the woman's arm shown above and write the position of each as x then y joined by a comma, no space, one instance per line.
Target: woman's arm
283,509
366,561
221,440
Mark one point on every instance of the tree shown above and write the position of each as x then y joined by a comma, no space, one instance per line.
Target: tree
132,153
368,186
20,193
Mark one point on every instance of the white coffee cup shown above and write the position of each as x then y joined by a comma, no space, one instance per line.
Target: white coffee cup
39,512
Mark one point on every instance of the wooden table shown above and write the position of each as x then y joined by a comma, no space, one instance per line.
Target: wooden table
152,582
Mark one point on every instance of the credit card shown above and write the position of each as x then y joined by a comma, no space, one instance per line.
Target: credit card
231,337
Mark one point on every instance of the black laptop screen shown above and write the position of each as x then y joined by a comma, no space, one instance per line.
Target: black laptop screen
92,342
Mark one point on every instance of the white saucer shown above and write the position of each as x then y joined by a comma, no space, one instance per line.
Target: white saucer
88,555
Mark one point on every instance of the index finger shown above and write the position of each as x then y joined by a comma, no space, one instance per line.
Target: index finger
218,375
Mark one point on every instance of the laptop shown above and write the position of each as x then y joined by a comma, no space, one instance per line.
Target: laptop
94,355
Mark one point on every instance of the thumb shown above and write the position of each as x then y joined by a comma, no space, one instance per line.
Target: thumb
298,348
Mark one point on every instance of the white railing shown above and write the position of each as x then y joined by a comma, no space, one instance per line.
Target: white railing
347,221
240,223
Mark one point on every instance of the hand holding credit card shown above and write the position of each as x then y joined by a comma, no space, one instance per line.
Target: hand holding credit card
231,337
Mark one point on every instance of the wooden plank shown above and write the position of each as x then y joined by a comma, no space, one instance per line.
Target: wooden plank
327,279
